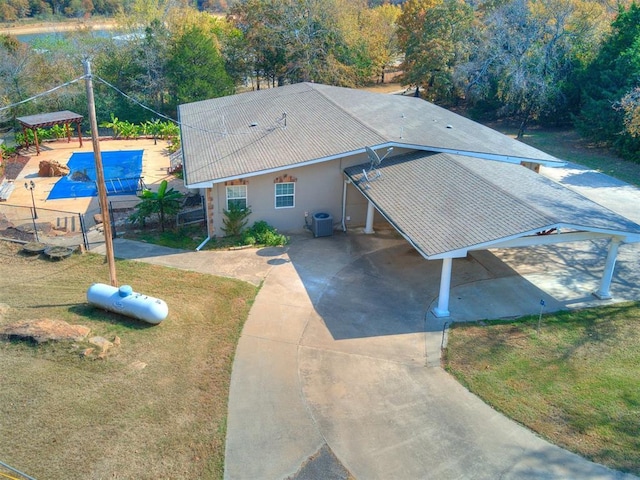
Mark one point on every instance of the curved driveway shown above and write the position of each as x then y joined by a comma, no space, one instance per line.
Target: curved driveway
337,370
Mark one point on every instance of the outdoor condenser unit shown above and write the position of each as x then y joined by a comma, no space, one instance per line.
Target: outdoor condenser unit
322,225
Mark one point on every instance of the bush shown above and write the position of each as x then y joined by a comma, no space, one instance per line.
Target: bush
6,152
236,218
261,233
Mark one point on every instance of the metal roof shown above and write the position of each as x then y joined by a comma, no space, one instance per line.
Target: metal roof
256,132
446,203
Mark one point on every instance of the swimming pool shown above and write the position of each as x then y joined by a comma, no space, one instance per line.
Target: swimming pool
122,170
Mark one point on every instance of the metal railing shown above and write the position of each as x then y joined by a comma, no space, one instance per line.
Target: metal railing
45,225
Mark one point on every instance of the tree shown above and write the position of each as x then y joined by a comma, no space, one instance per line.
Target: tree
378,29
630,105
613,74
151,57
306,40
14,69
195,68
526,54
162,203
433,34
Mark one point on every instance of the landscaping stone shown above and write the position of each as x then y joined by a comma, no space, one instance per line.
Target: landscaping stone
101,342
51,168
43,330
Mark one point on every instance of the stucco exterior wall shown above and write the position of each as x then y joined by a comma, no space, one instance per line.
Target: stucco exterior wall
318,188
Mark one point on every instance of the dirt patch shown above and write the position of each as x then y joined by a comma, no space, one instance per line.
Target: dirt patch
12,166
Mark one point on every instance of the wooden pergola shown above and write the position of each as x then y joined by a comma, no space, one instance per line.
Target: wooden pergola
33,122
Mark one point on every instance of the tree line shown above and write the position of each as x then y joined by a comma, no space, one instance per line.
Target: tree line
549,62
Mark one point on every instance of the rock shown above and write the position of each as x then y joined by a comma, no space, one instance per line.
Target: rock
97,218
44,330
101,342
78,176
138,365
51,168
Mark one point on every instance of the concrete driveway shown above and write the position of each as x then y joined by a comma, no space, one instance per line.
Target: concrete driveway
332,371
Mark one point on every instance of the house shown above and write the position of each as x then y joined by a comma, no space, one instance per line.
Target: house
447,184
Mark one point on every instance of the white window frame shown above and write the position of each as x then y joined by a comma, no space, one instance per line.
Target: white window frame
236,188
285,195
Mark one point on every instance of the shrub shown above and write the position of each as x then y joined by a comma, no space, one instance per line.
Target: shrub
236,218
261,233
6,151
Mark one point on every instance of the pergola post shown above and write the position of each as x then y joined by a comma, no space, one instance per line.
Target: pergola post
26,138
604,291
368,228
442,310
35,139
79,133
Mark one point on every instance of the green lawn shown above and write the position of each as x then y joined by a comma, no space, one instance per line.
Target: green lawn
576,383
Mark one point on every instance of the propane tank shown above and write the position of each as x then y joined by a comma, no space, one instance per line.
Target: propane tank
125,301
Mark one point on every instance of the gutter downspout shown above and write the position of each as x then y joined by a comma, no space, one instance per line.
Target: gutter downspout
204,242
344,203
206,215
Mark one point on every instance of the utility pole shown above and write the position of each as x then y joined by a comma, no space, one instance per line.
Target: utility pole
102,189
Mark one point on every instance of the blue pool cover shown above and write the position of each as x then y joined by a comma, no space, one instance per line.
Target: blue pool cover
122,170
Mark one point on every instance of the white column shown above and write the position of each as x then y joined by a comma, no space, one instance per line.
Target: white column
604,292
442,310
344,205
368,228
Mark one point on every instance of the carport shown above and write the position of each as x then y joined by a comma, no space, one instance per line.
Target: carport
446,205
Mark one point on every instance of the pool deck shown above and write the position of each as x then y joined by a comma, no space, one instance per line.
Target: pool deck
155,161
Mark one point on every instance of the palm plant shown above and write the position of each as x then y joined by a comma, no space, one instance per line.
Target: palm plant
165,202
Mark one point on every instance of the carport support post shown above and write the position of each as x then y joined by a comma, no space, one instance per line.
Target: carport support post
368,227
442,310
604,292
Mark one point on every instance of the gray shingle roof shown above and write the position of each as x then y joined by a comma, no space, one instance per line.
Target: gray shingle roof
322,122
445,202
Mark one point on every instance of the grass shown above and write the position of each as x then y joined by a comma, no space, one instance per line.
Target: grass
576,383
185,238
67,417
567,144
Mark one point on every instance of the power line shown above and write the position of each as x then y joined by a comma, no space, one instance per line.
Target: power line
278,123
136,101
30,99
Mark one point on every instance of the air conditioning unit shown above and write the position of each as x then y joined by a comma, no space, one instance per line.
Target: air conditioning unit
322,225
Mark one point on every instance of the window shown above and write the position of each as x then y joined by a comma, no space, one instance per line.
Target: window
285,195
237,196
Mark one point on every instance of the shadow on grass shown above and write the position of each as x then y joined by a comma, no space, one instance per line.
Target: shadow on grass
99,315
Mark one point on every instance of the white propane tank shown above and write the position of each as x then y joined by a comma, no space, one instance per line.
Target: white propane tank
125,301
